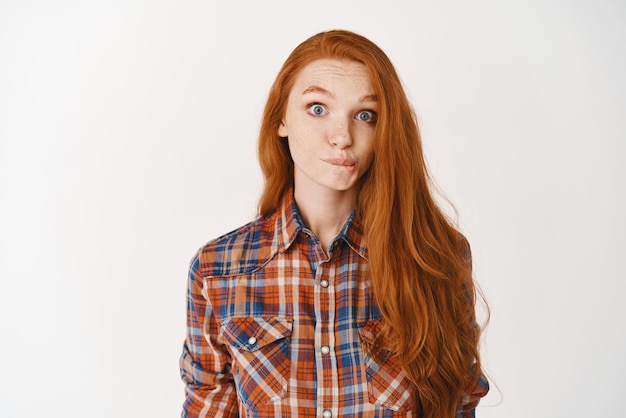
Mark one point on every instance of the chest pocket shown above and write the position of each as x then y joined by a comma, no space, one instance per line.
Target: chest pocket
387,385
261,358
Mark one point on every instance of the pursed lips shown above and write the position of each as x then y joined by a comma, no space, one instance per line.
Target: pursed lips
345,162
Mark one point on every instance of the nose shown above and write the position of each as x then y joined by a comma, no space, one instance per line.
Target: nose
340,134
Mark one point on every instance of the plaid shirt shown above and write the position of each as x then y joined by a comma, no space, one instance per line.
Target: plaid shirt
276,327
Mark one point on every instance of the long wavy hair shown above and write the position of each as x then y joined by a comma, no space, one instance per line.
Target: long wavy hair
420,268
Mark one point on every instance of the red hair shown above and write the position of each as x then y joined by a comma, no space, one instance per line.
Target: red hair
420,270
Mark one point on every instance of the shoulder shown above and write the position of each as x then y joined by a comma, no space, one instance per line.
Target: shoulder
238,252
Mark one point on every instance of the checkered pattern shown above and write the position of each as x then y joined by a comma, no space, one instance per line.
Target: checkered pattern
276,327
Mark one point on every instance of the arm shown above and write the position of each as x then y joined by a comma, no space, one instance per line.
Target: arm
470,399
204,363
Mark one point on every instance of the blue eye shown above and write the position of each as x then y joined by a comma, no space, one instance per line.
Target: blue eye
317,109
367,116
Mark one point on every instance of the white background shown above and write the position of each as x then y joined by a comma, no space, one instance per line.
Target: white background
127,140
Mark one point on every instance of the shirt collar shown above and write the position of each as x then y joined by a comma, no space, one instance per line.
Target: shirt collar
289,224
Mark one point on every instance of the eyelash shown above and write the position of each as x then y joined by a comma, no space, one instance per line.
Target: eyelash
310,109
373,115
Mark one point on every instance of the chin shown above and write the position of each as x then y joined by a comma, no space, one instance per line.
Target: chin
342,188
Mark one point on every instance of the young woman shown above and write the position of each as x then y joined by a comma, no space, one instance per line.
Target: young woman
352,294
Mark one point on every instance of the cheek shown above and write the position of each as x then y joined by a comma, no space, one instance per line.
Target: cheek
367,152
302,138
368,161
368,143
297,146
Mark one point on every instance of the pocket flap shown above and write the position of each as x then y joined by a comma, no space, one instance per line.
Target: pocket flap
253,333
369,331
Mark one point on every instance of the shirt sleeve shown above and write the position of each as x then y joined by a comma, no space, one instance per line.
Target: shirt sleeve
469,400
204,364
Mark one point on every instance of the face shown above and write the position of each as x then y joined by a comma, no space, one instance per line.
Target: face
329,122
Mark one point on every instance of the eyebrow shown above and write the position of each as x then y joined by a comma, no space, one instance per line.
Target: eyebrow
369,98
317,89
323,91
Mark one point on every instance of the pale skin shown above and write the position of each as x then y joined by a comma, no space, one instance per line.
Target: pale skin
329,122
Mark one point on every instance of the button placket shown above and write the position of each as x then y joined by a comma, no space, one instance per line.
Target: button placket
326,361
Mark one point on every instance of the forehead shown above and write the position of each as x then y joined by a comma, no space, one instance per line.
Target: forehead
329,72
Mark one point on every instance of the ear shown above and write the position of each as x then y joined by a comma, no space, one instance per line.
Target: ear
282,130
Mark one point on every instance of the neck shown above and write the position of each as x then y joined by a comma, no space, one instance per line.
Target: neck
324,213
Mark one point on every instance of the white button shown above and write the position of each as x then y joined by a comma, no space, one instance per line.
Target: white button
327,413
324,283
252,341
325,349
